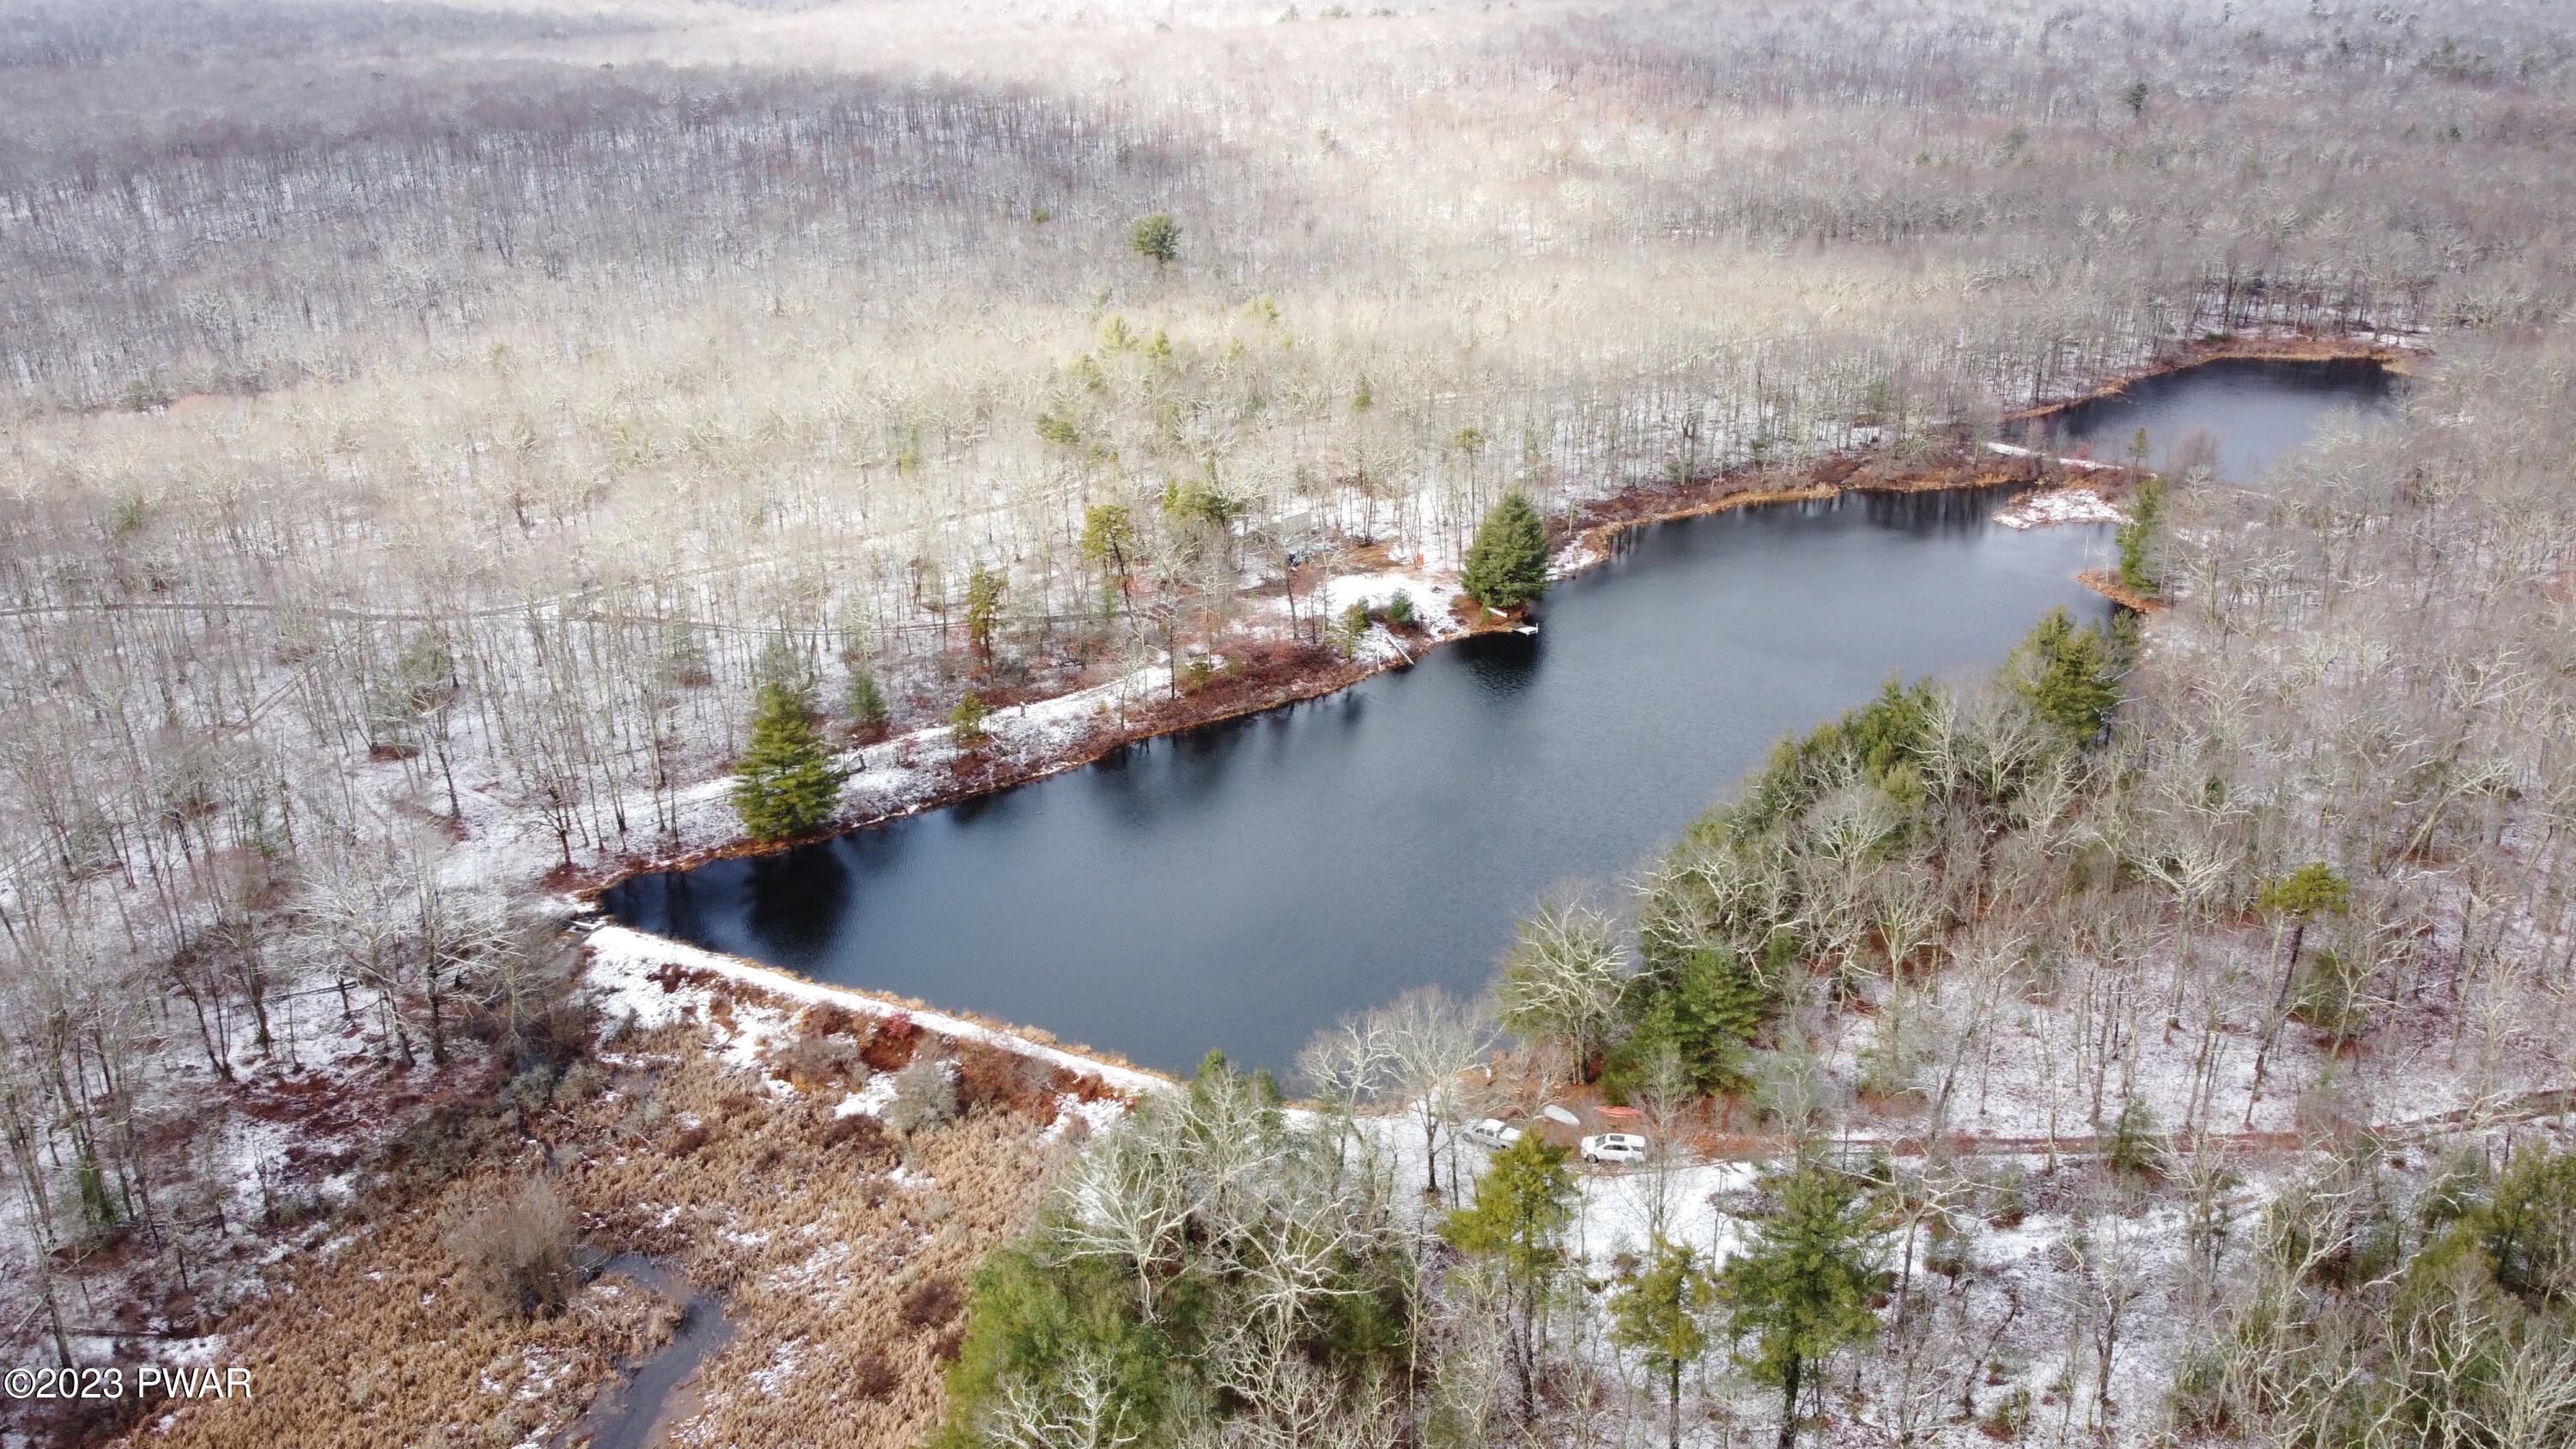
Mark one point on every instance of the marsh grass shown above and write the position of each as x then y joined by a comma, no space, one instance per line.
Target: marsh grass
448,1313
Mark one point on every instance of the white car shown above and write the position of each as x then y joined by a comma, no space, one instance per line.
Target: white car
1493,1133
1614,1147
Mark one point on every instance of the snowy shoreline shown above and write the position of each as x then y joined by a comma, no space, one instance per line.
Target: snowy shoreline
622,962
1047,737
1051,731
1044,738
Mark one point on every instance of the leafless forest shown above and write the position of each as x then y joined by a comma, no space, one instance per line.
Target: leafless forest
424,425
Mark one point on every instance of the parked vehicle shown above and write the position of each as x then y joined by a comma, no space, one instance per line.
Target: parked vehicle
1494,1133
1614,1147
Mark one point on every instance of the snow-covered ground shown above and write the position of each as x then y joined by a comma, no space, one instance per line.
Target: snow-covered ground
2087,464
501,846
2043,507
622,975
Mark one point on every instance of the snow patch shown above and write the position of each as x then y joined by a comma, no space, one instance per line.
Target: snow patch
624,960
2046,507
871,1099
2087,464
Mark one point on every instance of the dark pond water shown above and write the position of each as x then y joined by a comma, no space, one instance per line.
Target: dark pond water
2243,414
1243,885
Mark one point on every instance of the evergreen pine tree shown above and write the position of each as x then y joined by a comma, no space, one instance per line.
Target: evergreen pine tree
966,721
1721,1001
2304,894
2146,512
1156,237
2068,675
865,703
1109,537
1507,564
1721,993
786,783
1523,1204
984,591
1659,1310
1708,1008
1802,1285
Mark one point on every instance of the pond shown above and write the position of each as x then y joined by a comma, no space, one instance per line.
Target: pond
2237,415
1243,885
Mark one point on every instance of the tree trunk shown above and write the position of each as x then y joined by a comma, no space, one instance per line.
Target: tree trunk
1430,1151
1528,1350
1789,1405
2280,1006
1673,1404
437,1027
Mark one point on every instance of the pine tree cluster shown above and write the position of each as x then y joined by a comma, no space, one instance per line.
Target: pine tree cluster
2070,676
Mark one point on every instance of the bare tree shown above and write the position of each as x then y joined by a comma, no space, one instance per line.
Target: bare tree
1561,980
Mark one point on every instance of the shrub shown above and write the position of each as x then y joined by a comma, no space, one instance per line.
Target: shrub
931,1302
2136,1145
2008,1416
2006,1198
1029,1317
866,706
990,1076
862,1134
2529,1227
874,1376
579,1083
924,1096
1900,1056
889,1048
2202,1399
516,1254
2332,996
813,1059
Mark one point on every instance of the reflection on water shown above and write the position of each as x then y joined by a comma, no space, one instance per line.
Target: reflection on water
2238,416
1242,885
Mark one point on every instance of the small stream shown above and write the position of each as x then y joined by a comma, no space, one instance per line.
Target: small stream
1242,885
628,1415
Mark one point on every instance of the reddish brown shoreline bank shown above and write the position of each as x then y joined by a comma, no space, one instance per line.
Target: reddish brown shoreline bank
1283,672
1286,674
2182,357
